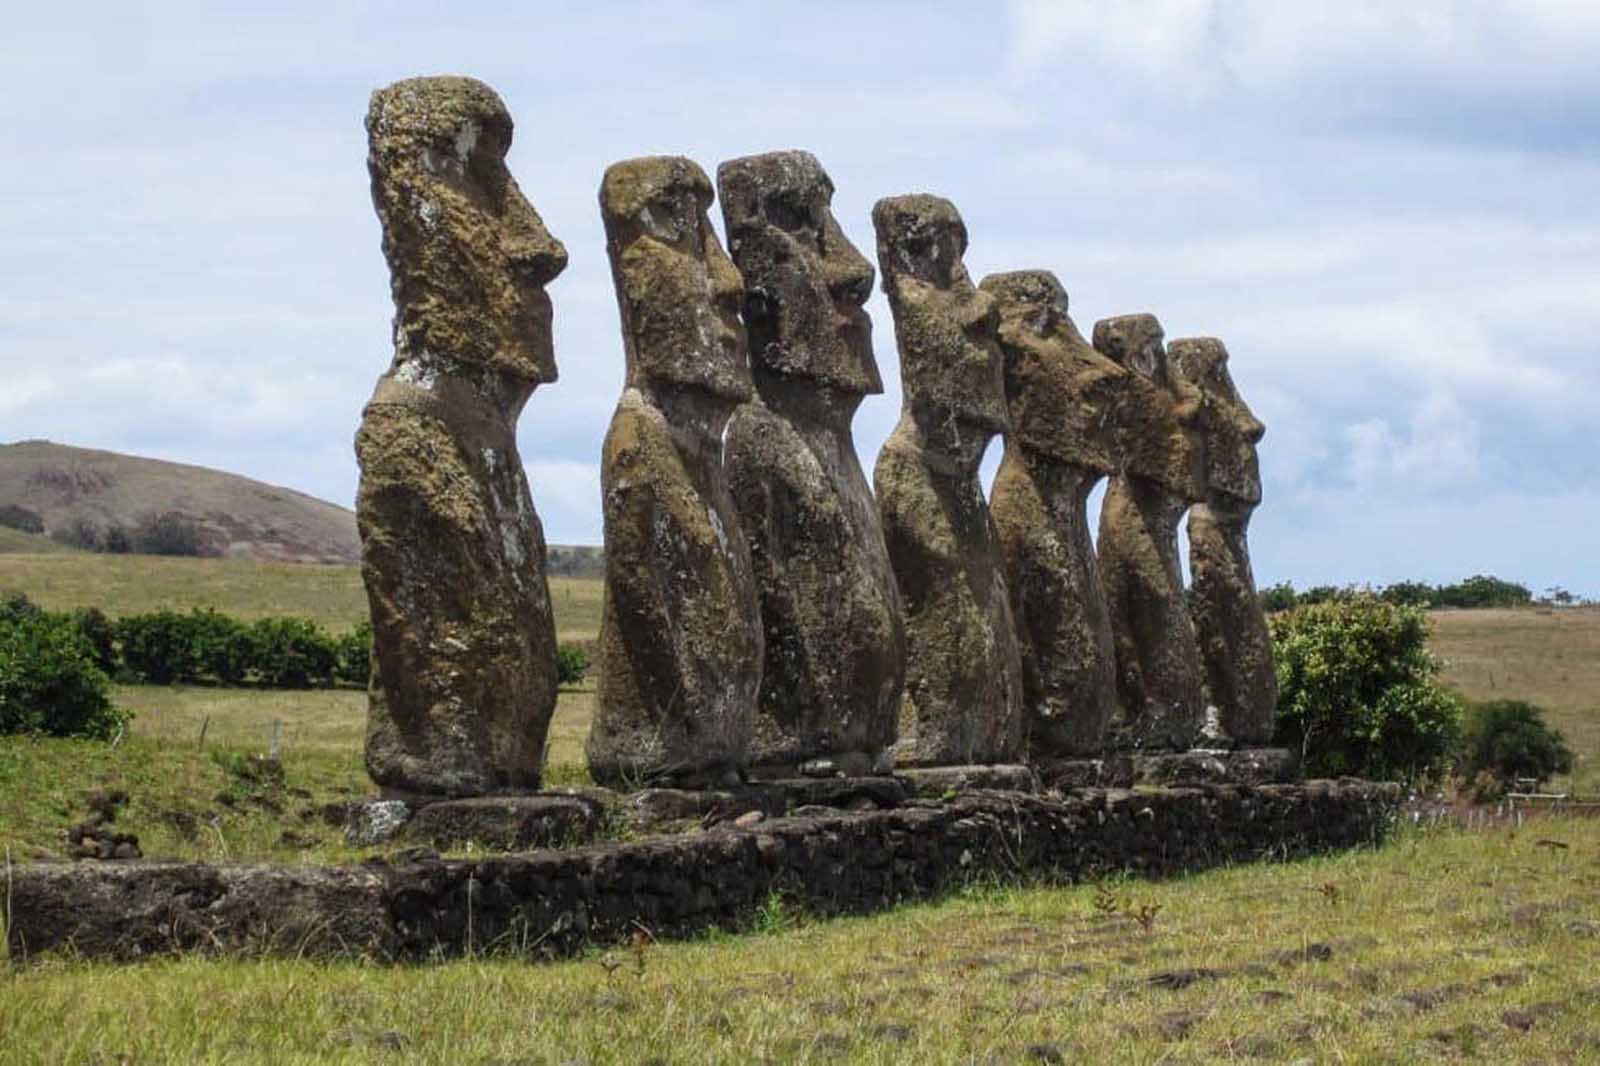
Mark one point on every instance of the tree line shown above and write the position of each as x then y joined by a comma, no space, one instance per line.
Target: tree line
1479,590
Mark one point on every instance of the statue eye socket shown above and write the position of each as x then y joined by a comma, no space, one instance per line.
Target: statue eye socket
789,214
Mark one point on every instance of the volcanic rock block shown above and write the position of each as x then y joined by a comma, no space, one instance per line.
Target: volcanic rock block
1162,472
464,675
835,643
507,823
680,633
963,692
1228,619
1062,396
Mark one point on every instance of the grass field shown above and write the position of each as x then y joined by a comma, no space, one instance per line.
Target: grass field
332,595
13,542
1547,656
1443,947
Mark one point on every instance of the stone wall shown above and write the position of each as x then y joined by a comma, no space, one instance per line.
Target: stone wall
551,903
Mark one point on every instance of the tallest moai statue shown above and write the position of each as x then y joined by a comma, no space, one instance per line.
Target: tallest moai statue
464,678
835,646
963,693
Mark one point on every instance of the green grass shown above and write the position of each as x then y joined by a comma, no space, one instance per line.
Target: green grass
1442,947
1547,656
13,541
245,588
177,786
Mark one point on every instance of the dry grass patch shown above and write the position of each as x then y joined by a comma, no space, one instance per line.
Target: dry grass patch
1547,656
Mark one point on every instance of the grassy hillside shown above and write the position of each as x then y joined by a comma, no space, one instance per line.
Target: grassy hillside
13,542
237,516
1442,947
1547,656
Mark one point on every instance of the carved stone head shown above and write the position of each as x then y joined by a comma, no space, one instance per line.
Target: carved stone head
678,291
950,362
1233,466
468,255
805,284
1160,435
1061,393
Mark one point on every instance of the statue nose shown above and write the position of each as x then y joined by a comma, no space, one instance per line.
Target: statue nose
537,262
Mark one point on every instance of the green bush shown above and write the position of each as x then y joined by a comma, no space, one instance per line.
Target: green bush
221,646
49,682
1359,692
1508,739
101,635
572,665
293,653
1279,597
15,516
354,653
159,646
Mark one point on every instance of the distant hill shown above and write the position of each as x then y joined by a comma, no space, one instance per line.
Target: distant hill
234,515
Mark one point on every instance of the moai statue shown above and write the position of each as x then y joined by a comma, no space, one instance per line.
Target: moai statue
963,692
835,645
1235,644
464,643
1162,471
1062,396
680,629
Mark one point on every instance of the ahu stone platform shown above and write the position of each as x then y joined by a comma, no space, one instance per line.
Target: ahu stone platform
557,902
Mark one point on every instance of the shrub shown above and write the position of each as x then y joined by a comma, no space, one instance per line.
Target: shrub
16,516
15,605
1481,590
49,682
100,634
168,533
78,533
159,646
572,665
1508,739
1409,593
293,653
1279,597
1359,692
354,653
220,645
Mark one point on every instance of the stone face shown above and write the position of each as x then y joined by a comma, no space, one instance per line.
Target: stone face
1159,677
963,691
680,634
1235,643
464,678
1062,396
835,646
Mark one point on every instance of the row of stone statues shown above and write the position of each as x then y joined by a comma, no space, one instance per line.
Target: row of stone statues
765,610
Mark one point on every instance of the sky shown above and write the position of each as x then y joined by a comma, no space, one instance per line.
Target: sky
1389,212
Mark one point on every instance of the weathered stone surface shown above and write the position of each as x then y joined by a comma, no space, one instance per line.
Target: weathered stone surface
1241,766
464,678
366,824
560,902
506,823
942,780
835,644
679,661
1235,643
1062,396
1160,683
963,691
1112,771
